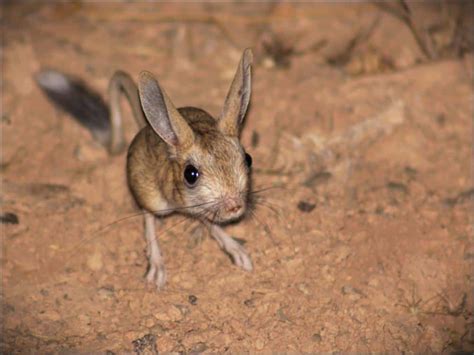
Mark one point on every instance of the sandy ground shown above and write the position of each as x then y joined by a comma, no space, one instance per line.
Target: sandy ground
364,243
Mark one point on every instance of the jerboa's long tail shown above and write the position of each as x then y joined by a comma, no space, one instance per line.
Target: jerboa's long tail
89,109
74,97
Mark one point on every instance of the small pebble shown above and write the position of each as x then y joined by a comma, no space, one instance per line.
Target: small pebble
304,206
303,288
347,289
94,262
105,292
9,218
317,179
172,314
199,347
149,322
6,118
282,316
397,186
192,299
259,344
249,303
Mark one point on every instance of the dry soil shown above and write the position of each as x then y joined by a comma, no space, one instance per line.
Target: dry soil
363,243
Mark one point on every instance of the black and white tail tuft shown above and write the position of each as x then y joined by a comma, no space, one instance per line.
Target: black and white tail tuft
75,98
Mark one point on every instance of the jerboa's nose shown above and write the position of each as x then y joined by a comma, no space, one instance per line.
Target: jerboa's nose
233,204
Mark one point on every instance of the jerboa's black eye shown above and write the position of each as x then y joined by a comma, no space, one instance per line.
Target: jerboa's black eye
191,175
248,160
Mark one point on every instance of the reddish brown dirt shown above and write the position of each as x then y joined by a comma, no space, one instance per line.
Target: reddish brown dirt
365,244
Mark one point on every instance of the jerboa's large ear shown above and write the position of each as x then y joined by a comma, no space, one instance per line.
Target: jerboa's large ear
162,115
238,97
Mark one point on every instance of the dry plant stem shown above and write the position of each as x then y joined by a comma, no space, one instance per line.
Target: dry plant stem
362,35
403,13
